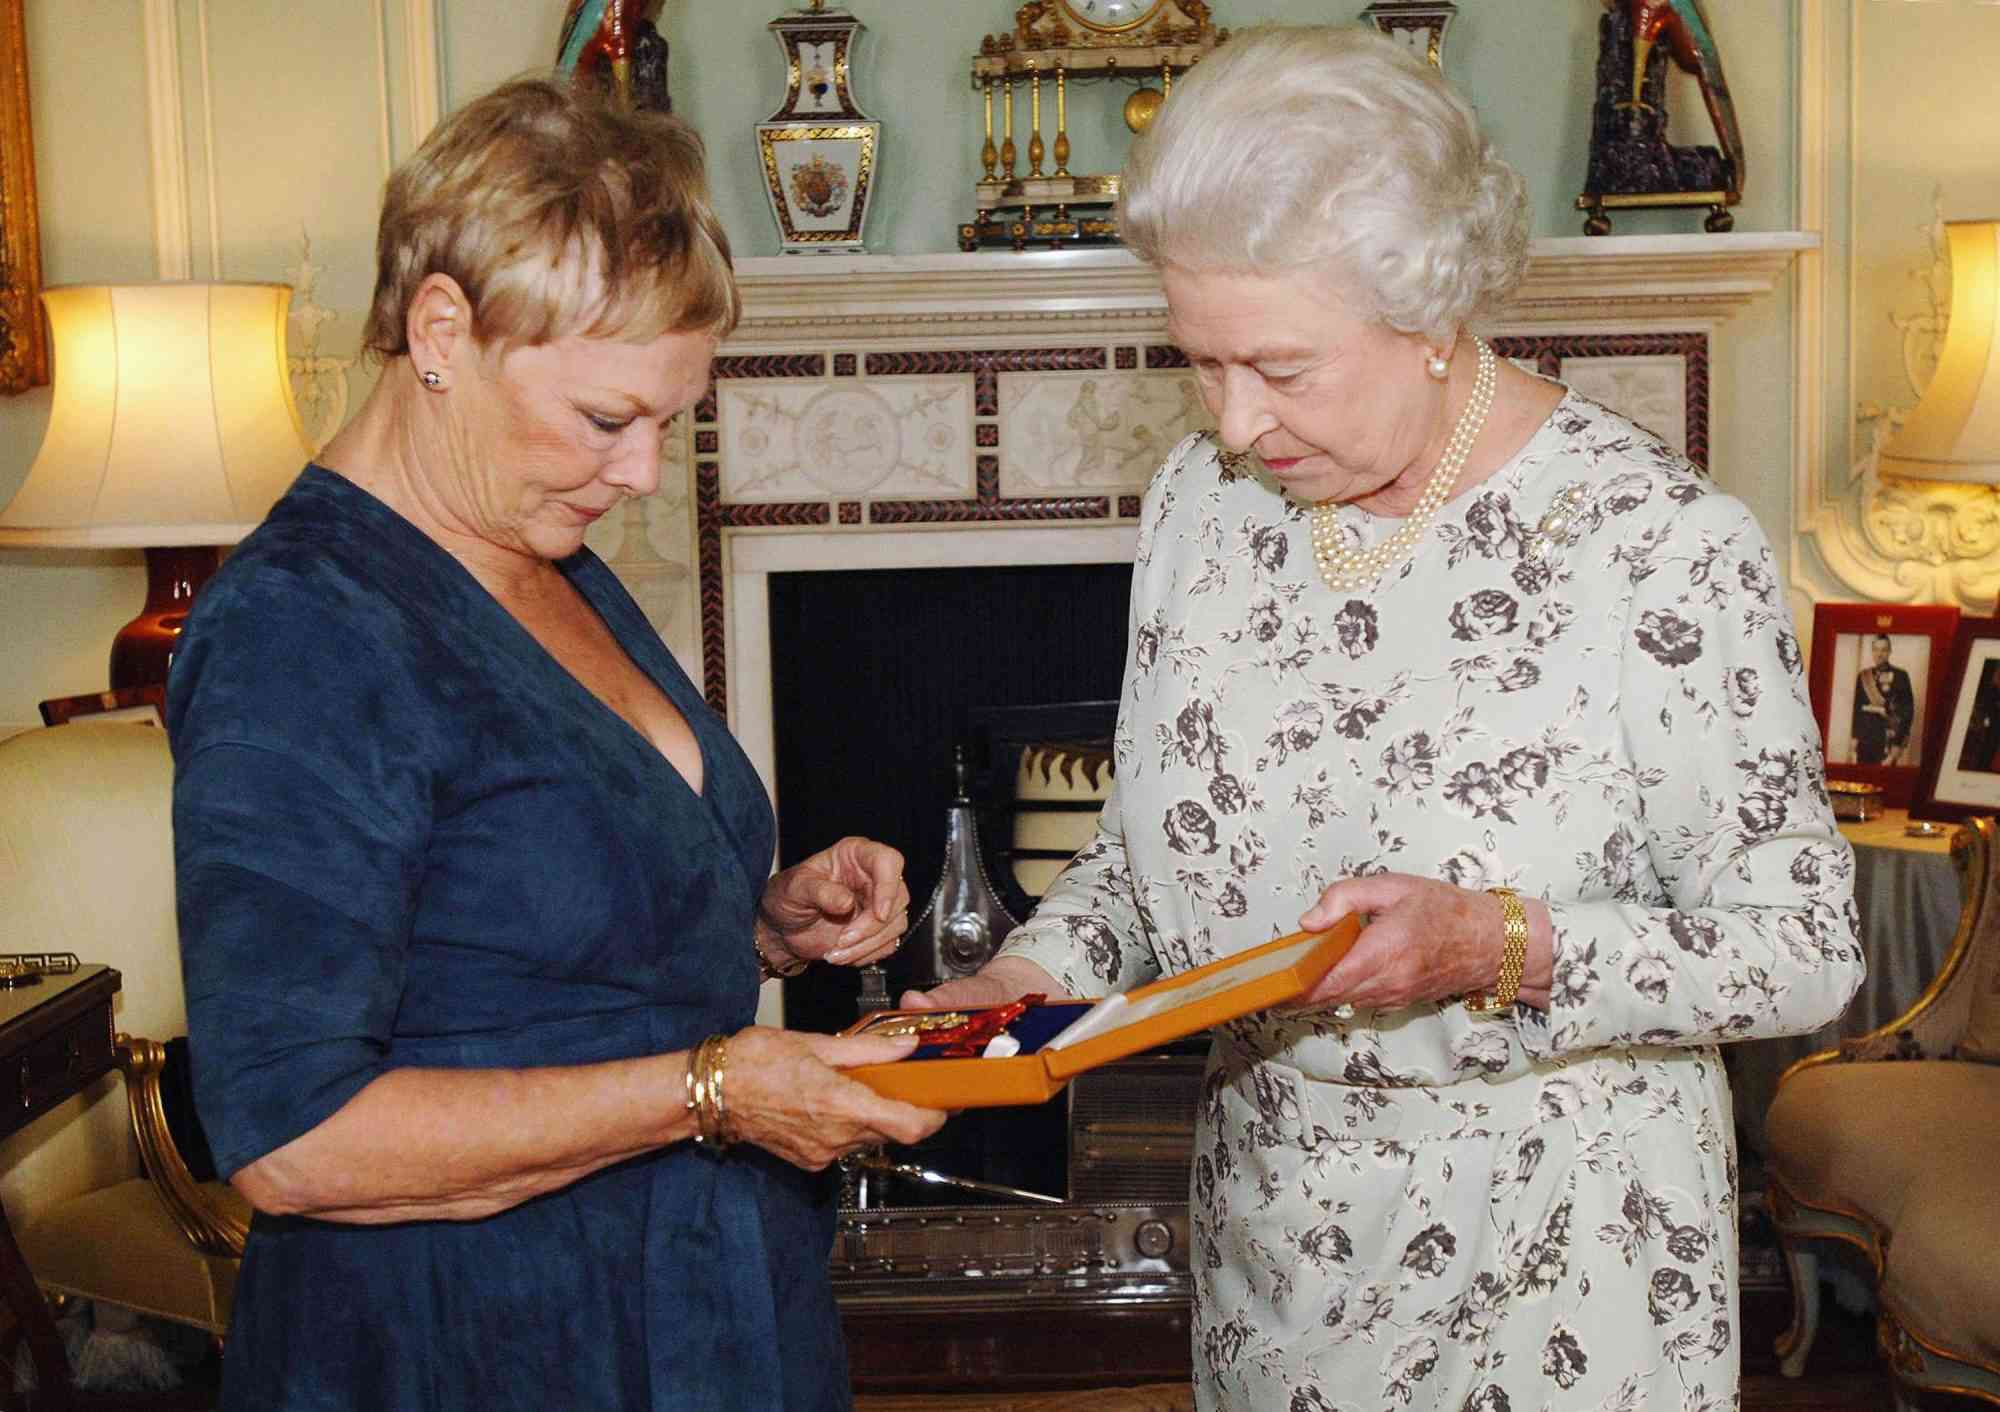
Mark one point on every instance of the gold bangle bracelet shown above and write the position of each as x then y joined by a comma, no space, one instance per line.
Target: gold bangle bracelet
1513,955
718,1060
706,1062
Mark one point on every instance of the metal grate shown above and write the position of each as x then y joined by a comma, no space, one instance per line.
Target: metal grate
1131,1129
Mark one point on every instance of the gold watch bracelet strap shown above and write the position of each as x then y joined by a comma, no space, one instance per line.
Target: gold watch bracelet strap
1513,955
766,969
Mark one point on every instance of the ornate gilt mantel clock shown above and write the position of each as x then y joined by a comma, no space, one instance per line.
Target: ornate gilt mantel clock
1054,45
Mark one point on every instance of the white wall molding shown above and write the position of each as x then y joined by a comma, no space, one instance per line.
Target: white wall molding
173,238
1809,362
426,80
210,179
1881,557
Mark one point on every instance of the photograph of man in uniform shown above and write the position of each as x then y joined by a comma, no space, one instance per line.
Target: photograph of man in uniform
1982,731
1884,708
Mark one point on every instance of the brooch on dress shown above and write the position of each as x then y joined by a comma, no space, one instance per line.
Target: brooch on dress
1561,524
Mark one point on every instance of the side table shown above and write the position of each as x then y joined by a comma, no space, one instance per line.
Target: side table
56,1038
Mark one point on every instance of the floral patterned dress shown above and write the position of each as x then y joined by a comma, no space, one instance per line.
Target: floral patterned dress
1584,685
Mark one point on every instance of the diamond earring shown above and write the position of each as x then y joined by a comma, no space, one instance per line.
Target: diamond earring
433,379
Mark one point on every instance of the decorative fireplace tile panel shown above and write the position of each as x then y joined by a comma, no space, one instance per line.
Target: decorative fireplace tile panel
1659,380
1652,391
1068,432
787,441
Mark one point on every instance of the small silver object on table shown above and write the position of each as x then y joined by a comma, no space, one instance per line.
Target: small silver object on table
1923,828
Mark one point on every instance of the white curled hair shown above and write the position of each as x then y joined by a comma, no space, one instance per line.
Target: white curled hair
1332,147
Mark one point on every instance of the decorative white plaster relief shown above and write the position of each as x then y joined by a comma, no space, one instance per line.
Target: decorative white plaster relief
1071,433
1905,541
786,441
319,381
1651,391
1923,331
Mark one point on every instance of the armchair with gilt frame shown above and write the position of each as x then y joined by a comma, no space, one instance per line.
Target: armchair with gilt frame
1891,1144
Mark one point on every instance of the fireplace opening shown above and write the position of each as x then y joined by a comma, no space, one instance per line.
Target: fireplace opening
875,678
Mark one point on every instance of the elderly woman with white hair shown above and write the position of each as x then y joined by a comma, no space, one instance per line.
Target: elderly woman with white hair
1421,636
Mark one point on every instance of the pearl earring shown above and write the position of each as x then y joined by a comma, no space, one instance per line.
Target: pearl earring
433,379
1438,366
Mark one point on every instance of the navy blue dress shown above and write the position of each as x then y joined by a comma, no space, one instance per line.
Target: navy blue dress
405,835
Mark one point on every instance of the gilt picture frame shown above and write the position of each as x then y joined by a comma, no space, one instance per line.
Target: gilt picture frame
24,344
1876,679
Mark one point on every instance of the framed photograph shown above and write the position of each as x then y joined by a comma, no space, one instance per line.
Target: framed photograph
1961,775
1878,672
144,704
24,345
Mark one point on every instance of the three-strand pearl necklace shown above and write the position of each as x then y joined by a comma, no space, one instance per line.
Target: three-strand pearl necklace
1347,569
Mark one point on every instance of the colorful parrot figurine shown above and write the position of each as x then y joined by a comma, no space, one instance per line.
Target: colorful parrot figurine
593,35
613,41
1683,25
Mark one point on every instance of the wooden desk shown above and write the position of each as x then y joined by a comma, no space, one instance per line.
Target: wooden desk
56,1038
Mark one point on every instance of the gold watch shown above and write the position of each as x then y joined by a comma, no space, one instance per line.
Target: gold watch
1513,955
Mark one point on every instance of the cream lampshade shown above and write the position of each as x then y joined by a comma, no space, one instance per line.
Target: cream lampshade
172,430
1954,433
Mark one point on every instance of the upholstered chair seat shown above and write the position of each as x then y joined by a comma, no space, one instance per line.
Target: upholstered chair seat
99,1198
1891,1143
120,1244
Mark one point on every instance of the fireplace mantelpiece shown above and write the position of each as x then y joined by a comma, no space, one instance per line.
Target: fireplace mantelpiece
1574,283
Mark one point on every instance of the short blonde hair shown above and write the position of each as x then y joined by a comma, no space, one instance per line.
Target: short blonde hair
558,213
1331,146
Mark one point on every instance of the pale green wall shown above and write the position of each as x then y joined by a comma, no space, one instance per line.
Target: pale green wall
298,116
1525,64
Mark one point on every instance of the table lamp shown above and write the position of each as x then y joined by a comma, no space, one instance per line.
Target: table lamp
1954,432
172,429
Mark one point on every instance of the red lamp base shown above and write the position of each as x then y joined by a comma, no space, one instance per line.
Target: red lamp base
144,648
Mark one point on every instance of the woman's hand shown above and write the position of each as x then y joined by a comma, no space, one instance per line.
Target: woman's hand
847,904
1000,980
783,1090
1424,940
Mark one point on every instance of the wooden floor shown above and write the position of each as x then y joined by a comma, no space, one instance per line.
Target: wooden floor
1841,1376
1816,1392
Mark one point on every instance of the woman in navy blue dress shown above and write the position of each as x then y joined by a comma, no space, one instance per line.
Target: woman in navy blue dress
474,890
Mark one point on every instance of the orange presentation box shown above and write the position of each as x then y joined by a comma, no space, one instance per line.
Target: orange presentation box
1116,1027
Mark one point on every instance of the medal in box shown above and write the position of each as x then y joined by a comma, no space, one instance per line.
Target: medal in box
1024,1052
